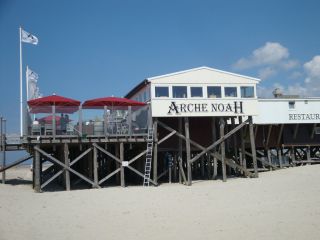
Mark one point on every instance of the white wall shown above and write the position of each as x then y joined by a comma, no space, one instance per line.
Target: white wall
276,111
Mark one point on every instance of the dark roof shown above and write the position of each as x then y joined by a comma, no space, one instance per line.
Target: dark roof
137,88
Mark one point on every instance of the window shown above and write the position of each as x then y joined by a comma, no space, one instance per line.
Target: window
292,105
179,91
214,92
317,130
230,91
162,91
247,92
196,92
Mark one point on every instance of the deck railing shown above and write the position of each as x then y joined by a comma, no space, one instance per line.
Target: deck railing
110,121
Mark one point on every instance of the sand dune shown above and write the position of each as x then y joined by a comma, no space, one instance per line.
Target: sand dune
282,204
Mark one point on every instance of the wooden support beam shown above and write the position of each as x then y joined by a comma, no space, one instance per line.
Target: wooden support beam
256,131
280,135
107,153
180,149
214,138
269,159
219,141
56,161
230,163
308,154
95,167
222,149
296,129
122,167
235,144
109,176
268,136
15,163
313,130
182,171
242,143
61,171
280,157
37,173
140,174
292,155
67,163
253,147
188,150
263,161
155,151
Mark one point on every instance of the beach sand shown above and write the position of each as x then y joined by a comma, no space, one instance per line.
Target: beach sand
283,204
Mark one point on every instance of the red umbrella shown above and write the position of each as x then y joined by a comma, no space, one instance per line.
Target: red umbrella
110,101
44,104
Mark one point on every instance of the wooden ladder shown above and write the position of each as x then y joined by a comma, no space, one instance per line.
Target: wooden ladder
147,167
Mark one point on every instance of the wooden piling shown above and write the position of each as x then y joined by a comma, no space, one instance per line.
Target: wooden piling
188,150
253,147
223,152
122,167
155,151
67,163
37,173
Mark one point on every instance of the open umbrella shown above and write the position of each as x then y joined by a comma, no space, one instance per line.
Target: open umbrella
62,104
99,103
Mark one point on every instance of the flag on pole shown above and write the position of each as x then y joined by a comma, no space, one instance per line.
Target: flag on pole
28,37
33,89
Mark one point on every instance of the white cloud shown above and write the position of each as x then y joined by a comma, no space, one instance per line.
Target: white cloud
269,54
295,75
266,73
312,69
290,64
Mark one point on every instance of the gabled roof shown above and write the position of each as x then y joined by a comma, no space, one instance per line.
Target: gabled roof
187,76
203,68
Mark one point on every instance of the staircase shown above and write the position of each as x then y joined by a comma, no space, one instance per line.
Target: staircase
147,167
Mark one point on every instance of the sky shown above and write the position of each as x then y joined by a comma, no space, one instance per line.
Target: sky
90,49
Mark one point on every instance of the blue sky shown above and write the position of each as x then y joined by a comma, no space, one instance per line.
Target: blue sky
91,49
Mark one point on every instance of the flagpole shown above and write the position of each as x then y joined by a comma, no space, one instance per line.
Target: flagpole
27,82
21,96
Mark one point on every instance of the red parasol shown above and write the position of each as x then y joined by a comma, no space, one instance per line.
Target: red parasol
44,104
99,103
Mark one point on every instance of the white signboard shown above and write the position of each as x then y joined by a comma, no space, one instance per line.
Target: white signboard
203,107
125,163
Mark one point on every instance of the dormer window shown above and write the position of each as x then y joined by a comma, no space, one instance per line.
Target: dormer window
162,91
230,91
179,91
196,91
214,92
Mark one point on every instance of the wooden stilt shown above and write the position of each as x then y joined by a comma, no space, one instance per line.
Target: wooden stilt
67,163
122,167
253,147
214,138
293,156
279,157
155,151
37,173
180,150
202,166
209,165
243,161
308,155
188,150
95,167
269,159
223,153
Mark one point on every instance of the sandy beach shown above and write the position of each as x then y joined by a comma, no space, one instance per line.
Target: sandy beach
282,204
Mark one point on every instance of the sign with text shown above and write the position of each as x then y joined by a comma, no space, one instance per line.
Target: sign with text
219,107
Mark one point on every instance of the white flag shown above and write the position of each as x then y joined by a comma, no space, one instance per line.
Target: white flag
28,37
32,84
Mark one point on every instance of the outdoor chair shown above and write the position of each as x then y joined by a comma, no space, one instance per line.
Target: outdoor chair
35,129
69,129
48,130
